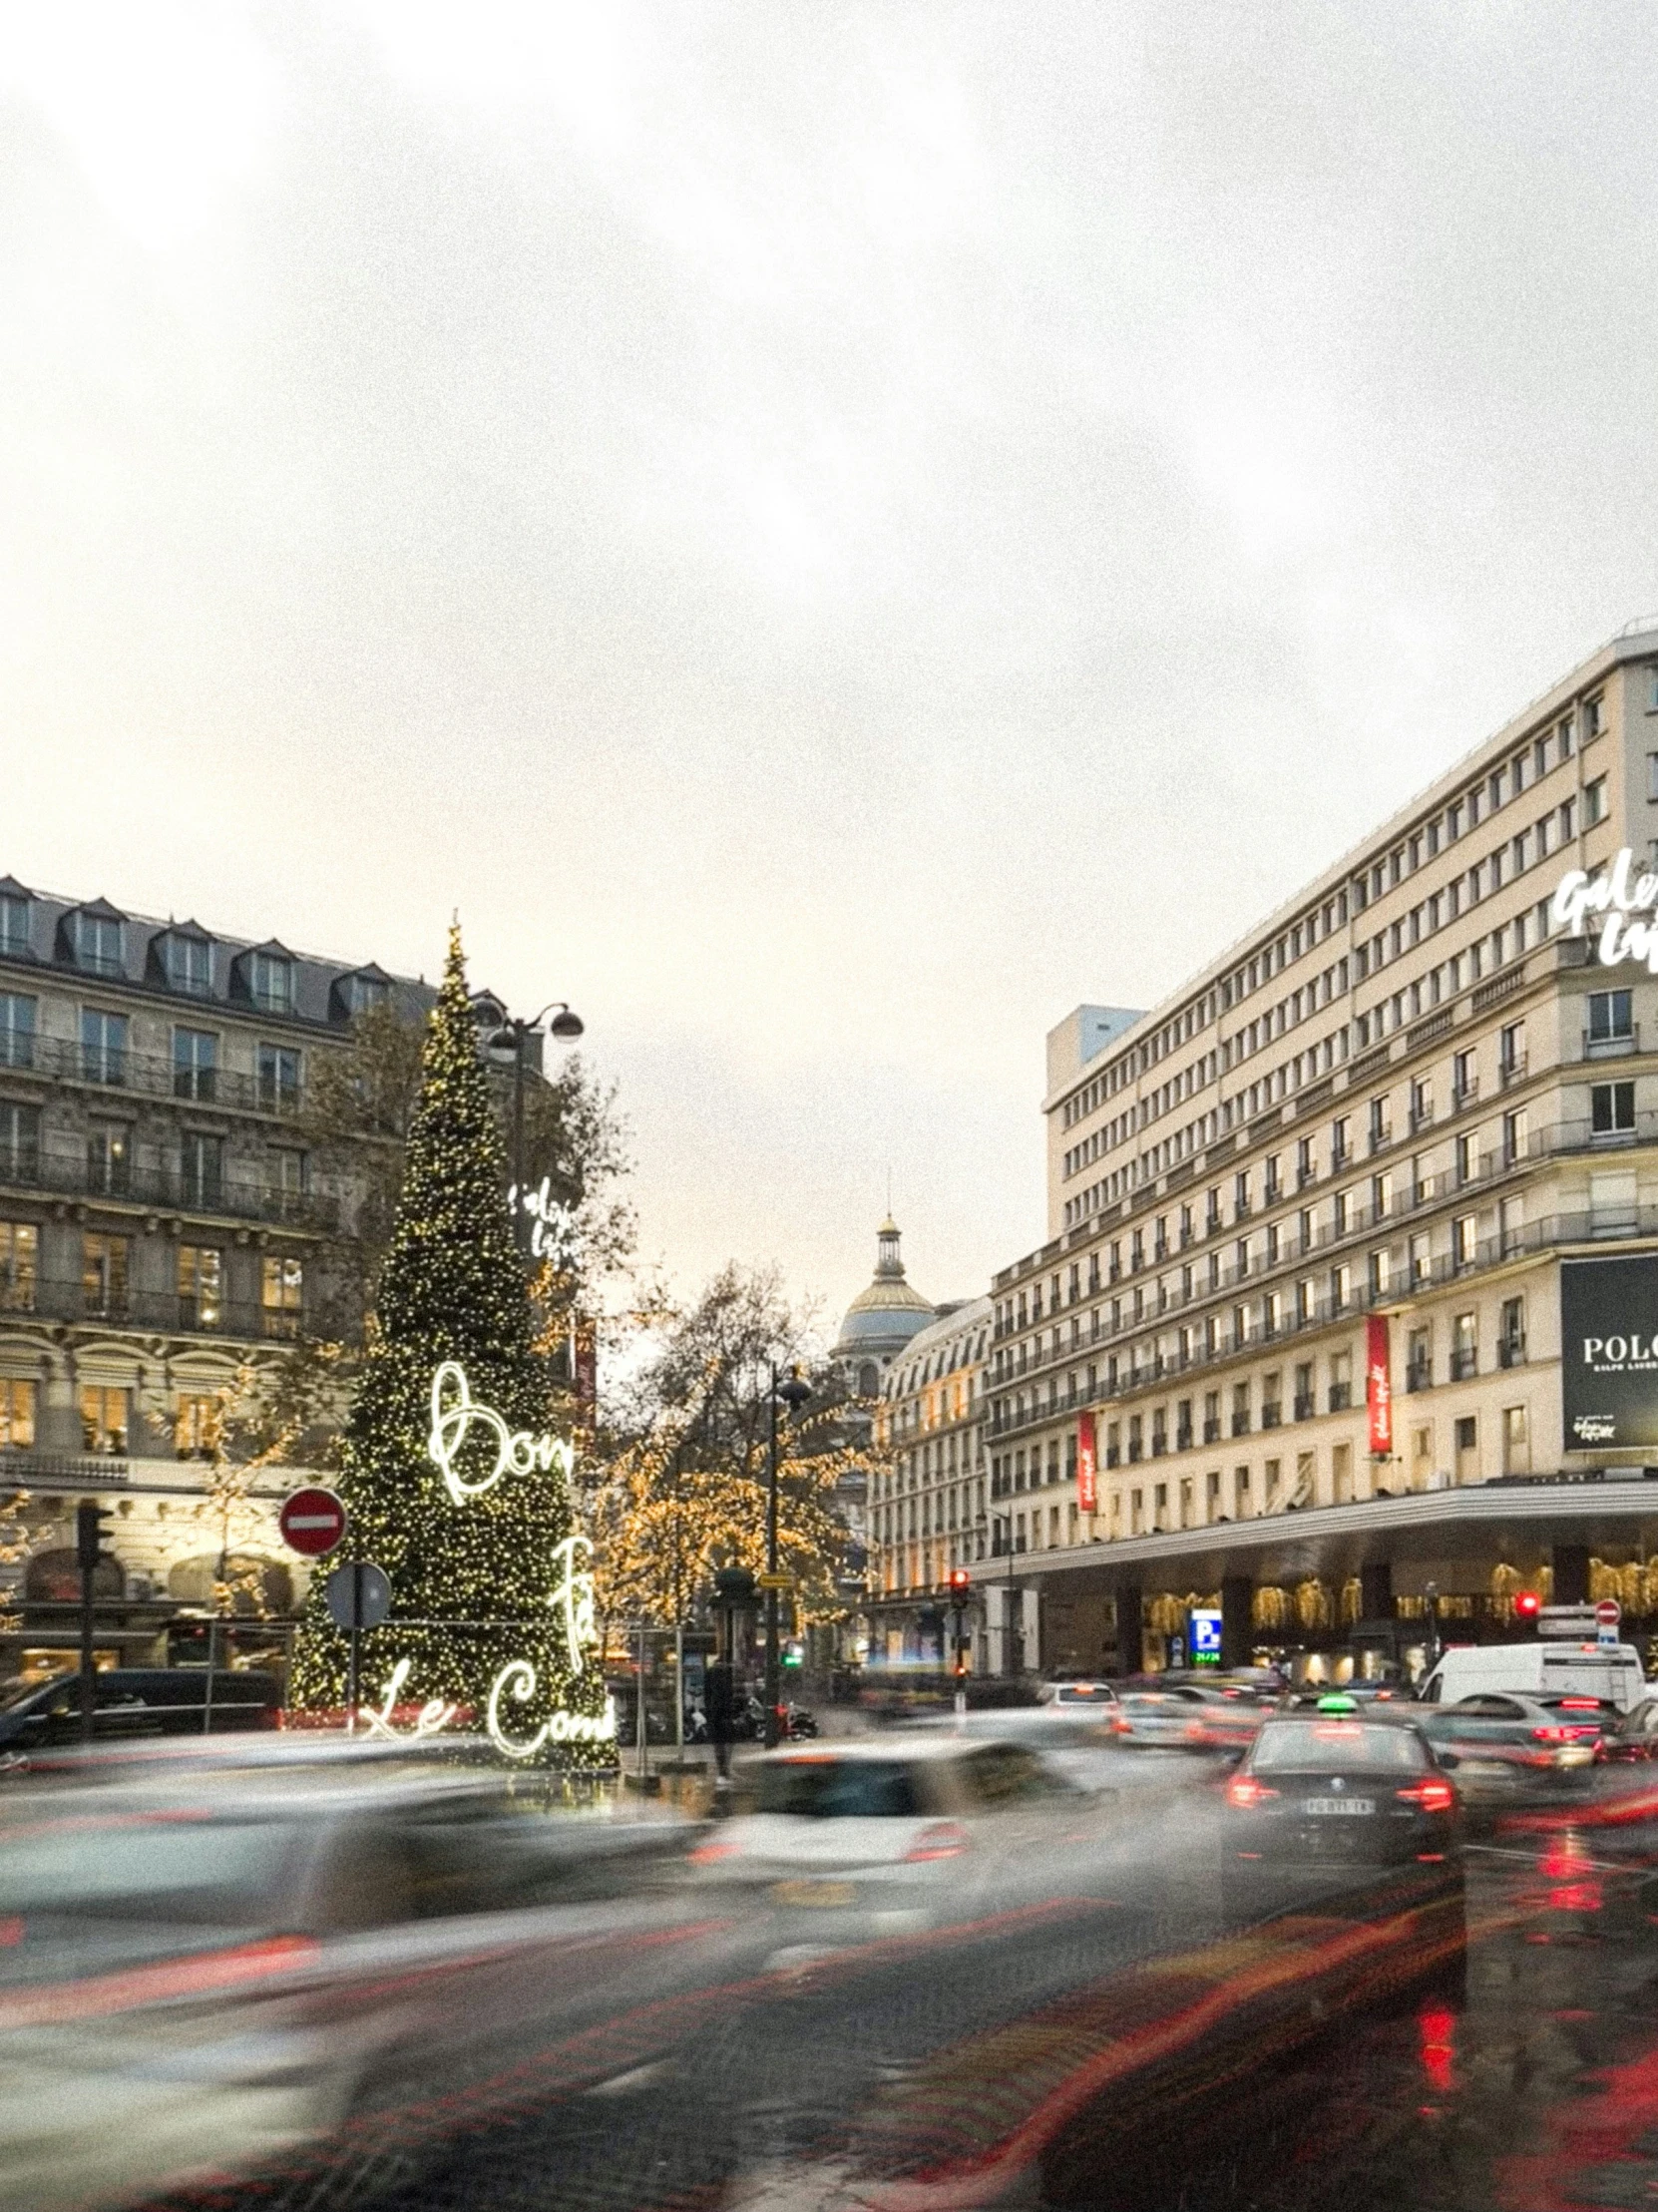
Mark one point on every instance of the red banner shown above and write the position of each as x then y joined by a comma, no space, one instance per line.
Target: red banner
1087,1489
1378,1389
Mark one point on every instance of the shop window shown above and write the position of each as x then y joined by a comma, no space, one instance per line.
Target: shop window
19,1267
104,1420
17,1414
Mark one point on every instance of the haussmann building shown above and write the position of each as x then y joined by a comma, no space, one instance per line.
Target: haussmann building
1348,1304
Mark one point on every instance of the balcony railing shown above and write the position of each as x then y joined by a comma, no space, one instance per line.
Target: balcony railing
1240,1424
1341,1397
55,1299
1511,1351
167,1190
1211,1431
1305,1408
1419,1375
1463,1366
1612,1048
113,1068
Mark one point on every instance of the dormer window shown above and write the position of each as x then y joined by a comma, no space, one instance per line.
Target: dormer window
97,942
362,994
14,921
270,982
189,964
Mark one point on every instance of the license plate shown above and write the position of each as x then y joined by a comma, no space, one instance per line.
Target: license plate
813,1893
1340,1805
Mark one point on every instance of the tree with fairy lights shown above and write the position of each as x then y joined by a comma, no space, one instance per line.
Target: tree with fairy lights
452,1483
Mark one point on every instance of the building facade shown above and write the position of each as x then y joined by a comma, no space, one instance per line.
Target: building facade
929,1510
1294,1341
165,1216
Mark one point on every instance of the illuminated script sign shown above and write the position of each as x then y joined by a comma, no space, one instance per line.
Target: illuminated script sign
455,1413
1623,907
550,1223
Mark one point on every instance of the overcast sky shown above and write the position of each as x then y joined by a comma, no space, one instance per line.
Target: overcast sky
831,533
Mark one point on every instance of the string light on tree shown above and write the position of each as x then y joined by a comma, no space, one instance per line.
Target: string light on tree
454,1484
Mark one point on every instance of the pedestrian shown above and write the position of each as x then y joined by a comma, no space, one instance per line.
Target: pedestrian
721,1703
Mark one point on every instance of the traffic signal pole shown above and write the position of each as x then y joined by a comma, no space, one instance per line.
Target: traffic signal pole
89,1533
960,1582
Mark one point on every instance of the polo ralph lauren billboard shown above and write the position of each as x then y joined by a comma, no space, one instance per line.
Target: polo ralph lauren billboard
1609,1353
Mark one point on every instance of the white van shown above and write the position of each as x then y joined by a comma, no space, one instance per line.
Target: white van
1538,1670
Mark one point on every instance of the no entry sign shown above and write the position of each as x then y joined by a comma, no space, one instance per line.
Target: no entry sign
312,1522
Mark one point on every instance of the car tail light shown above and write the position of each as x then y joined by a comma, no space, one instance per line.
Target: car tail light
1195,1732
946,1839
1246,1793
704,1853
1579,1705
1429,1796
1569,1734
1122,1726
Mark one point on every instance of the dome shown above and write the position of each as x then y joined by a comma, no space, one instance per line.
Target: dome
882,1319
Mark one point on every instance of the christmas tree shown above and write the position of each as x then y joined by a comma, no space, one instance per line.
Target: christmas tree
452,1483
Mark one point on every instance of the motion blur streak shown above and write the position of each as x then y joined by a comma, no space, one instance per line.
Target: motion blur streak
201,1976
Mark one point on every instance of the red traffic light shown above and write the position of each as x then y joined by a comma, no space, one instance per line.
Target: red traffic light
961,1581
1527,1604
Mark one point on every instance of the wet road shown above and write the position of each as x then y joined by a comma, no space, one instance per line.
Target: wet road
897,2075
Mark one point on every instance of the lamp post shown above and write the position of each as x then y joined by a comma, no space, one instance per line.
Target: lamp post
794,1393
505,1046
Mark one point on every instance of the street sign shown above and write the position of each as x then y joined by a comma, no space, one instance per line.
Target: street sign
312,1520
358,1595
1607,1615
1205,1636
776,1582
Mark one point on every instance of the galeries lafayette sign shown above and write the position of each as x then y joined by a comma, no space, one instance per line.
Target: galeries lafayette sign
1618,908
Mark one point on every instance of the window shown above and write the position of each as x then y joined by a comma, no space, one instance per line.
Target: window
102,1046
97,942
362,994
109,1159
1515,1136
1305,1406
19,1267
282,1296
1464,1347
1341,1381
270,982
277,1077
1305,1165
14,924
17,1414
1467,1156
189,962
1418,1360
1341,1288
1611,1019
195,1425
1464,1240
1511,1341
1240,1409
202,1168
201,1286
1340,1133
1516,1441
1380,1273
19,1143
1378,1130
17,1030
1511,1051
104,1276
104,1420
1422,1258
195,1064
285,1182
1613,1110
1595,802
1593,722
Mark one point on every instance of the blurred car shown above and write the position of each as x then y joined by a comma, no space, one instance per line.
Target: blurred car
1321,1799
1510,1750
214,1978
893,1834
1189,1718
1077,1692
1632,1738
137,1702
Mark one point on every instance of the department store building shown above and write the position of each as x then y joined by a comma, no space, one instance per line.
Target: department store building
1294,1343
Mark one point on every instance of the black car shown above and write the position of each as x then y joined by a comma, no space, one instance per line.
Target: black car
1331,1811
137,1702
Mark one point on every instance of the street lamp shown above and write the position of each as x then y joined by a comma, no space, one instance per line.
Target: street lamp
794,1393
505,1046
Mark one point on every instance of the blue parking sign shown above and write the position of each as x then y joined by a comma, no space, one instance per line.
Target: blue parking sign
1205,1634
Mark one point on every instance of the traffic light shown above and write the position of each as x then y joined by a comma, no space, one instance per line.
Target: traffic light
92,1529
1527,1604
961,1581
